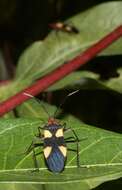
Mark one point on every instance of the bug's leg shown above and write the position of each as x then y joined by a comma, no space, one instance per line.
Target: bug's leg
76,140
39,135
66,129
64,125
35,160
73,139
73,150
77,150
32,146
40,128
68,138
39,153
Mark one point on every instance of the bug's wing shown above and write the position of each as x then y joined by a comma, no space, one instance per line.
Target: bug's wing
56,160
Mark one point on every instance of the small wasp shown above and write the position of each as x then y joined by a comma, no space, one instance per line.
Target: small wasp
54,144
60,26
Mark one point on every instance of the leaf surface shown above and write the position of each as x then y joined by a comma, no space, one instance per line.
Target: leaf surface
100,154
58,48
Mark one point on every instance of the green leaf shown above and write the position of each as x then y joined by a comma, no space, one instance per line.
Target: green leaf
88,80
76,79
42,57
5,93
32,108
12,88
100,155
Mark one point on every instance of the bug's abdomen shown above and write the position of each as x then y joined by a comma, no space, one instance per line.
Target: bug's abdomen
56,160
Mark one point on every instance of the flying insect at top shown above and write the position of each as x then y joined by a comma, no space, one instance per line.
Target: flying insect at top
60,26
51,138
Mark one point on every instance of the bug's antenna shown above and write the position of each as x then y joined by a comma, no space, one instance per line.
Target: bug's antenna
44,108
64,100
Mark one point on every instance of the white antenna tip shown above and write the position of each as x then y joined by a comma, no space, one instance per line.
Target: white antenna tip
26,94
70,94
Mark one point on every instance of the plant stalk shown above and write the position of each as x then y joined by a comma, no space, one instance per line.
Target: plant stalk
60,72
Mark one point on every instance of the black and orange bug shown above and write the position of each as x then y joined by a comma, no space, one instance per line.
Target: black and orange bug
54,144
60,26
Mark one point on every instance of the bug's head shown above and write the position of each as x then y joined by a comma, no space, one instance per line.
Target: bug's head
52,121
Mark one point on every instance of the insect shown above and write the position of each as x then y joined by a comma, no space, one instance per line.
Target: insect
60,26
51,138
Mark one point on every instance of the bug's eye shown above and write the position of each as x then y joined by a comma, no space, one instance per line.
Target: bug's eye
47,134
59,133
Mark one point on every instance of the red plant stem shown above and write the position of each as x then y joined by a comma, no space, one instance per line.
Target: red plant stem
60,72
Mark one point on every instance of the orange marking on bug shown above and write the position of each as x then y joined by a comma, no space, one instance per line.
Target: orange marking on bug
47,134
63,149
47,151
52,121
59,133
